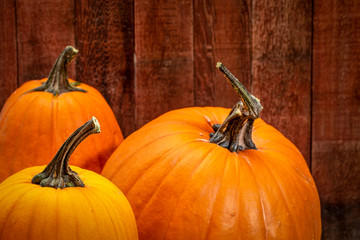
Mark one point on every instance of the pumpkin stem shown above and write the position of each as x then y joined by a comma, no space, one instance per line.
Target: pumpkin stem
58,82
58,173
235,132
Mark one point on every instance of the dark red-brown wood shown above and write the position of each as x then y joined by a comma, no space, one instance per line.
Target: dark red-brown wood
281,66
164,57
336,116
44,29
105,39
8,50
301,58
221,34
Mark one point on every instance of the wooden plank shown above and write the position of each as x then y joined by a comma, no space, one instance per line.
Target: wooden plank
281,67
8,51
221,33
44,29
105,39
336,116
164,57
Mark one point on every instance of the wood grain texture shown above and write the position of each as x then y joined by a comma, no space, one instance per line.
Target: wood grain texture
164,57
8,50
44,29
105,39
281,67
221,33
149,57
336,116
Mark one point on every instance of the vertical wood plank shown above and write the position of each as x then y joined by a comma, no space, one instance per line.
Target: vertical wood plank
105,39
281,66
164,57
336,116
221,33
44,29
8,51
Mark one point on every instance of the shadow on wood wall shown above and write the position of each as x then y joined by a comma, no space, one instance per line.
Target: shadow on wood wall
301,58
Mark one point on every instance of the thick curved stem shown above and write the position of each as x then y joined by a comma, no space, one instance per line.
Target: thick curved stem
58,173
58,82
235,133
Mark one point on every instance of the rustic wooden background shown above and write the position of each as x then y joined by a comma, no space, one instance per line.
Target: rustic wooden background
300,57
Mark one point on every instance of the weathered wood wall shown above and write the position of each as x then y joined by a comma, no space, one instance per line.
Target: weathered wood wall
301,58
335,160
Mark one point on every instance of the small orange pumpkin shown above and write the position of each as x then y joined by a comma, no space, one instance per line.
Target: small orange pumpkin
39,116
243,181
62,204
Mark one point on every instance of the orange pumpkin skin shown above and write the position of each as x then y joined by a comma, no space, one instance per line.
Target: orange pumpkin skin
97,211
50,119
181,186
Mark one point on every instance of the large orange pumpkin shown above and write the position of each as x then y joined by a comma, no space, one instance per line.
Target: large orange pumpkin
63,204
245,181
37,118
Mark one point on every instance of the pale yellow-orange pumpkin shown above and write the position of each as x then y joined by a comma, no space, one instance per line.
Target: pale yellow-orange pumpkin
61,204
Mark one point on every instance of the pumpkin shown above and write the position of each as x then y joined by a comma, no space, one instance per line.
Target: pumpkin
216,173
61,203
41,114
